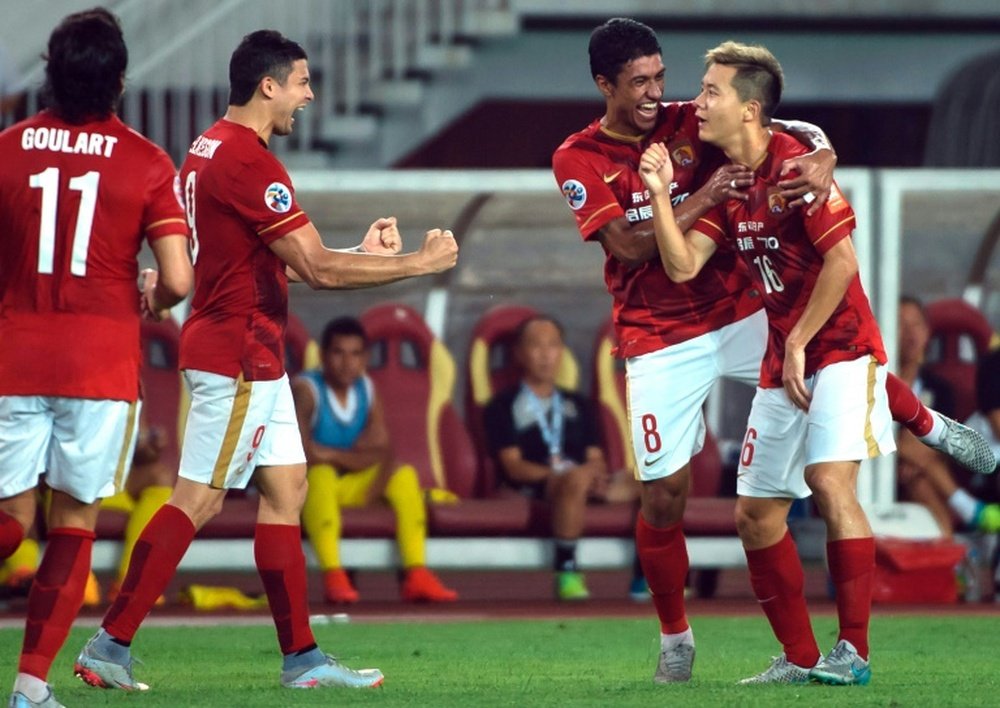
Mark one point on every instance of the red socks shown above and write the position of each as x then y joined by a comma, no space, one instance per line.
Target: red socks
852,570
155,557
778,582
55,598
906,408
663,555
11,534
277,550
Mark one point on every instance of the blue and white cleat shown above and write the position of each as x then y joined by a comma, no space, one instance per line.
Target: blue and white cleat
842,667
19,700
781,670
331,673
96,669
966,446
675,664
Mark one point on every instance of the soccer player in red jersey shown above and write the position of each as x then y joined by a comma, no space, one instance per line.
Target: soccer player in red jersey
821,404
678,339
79,191
249,238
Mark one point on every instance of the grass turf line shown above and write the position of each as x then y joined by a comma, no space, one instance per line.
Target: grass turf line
918,661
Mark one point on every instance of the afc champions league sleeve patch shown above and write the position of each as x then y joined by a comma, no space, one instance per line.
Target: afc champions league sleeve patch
575,193
178,192
278,197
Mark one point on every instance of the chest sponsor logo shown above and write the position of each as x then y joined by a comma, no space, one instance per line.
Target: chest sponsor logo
278,197
682,152
575,193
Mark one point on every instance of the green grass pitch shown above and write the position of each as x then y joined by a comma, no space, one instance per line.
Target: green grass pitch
917,661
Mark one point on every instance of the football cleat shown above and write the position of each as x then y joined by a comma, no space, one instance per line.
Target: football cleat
421,585
337,587
842,667
966,446
675,664
19,700
331,673
781,670
571,586
96,669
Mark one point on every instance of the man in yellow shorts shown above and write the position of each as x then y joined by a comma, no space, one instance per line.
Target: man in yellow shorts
351,465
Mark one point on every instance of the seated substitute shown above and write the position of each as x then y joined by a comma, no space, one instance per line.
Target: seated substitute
546,443
351,465
924,474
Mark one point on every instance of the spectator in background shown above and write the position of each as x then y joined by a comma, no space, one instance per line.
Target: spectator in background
351,465
546,443
924,473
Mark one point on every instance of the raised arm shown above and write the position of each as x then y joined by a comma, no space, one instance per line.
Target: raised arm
634,244
682,255
811,186
310,261
840,265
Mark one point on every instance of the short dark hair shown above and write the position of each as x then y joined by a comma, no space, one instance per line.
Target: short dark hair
85,63
907,299
343,327
523,327
758,74
617,42
261,53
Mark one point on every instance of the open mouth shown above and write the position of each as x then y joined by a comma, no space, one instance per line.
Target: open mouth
648,109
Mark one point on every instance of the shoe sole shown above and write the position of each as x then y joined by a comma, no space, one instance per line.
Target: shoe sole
93,679
314,683
831,680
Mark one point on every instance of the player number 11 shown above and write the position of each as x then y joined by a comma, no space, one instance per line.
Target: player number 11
48,181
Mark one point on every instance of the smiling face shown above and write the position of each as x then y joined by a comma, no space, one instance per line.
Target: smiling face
292,95
720,111
633,97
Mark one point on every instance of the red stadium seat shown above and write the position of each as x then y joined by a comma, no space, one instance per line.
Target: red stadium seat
415,375
960,334
161,383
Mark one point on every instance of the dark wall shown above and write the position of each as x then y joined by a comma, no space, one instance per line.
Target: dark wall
521,134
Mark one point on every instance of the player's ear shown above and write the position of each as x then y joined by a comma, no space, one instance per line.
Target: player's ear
266,86
604,86
751,111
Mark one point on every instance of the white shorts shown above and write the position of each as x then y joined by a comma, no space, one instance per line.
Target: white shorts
235,426
84,446
848,419
666,391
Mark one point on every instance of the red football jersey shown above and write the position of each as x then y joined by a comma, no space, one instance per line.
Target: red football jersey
239,200
598,173
783,250
77,200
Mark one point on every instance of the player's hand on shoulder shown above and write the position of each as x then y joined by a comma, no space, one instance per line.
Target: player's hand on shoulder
730,182
383,237
147,300
440,250
811,180
656,169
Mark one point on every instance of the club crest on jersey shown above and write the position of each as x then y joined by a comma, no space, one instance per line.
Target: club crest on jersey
575,193
776,203
278,197
682,152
